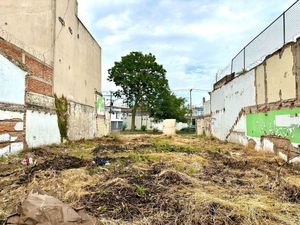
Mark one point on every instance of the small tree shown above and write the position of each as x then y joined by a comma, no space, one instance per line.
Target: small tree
142,80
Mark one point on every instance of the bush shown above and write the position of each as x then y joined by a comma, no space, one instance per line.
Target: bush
155,130
124,127
144,128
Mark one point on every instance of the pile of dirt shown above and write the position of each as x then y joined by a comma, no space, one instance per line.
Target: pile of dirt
58,163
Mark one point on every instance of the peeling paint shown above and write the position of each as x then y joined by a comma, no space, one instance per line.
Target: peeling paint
19,126
8,115
4,137
16,147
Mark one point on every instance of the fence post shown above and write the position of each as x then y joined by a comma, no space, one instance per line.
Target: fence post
244,50
283,15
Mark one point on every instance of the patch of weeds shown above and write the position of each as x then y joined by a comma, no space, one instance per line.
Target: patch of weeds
7,158
61,105
175,148
191,170
102,209
81,153
115,137
135,156
92,170
140,190
152,157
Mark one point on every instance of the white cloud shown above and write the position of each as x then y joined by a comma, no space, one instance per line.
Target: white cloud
193,39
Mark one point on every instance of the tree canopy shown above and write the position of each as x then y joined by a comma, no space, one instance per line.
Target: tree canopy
144,85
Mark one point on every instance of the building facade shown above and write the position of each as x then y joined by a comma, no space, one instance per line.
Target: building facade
50,54
261,107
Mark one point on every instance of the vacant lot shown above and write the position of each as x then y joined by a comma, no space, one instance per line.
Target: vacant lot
144,179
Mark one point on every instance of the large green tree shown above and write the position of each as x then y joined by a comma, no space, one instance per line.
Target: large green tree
169,107
142,80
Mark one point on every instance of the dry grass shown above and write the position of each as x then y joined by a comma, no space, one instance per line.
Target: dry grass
177,180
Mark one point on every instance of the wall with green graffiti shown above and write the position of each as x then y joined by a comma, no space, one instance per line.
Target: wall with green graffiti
283,123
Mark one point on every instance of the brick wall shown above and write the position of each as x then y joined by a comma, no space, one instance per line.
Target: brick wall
40,76
37,78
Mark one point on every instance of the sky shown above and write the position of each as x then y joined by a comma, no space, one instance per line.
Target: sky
192,39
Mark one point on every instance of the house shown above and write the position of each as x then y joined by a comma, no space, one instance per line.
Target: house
50,76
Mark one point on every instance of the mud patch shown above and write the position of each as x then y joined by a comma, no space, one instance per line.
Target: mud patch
58,163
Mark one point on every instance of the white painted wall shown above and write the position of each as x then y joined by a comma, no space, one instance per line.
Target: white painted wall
41,129
12,82
227,102
206,108
8,115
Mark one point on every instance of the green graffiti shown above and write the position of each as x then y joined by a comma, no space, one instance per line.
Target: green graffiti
284,123
100,104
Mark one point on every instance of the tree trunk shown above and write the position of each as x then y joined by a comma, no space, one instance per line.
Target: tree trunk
133,118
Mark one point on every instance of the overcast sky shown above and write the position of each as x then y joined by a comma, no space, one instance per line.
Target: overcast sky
193,39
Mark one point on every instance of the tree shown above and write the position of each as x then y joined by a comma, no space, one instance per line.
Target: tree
142,80
170,107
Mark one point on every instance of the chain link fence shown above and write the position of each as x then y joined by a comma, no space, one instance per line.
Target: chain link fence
284,29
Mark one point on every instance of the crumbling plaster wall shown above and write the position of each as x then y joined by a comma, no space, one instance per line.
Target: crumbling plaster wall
81,122
26,101
103,125
228,101
276,77
12,89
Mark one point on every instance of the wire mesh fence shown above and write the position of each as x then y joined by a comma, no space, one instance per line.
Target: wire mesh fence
284,29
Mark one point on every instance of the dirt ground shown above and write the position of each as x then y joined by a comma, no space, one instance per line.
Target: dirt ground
153,179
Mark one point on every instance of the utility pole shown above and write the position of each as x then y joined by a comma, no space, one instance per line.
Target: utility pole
111,104
191,107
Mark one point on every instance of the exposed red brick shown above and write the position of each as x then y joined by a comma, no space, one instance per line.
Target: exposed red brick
37,86
10,51
32,65
7,126
38,69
